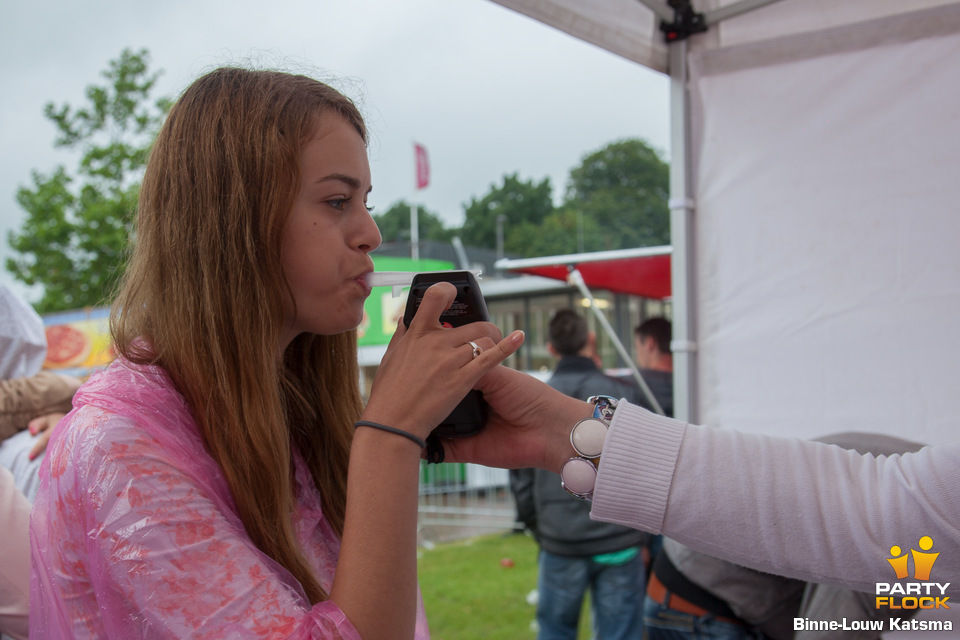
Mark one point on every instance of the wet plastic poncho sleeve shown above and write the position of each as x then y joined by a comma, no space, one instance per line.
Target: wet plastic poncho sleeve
135,535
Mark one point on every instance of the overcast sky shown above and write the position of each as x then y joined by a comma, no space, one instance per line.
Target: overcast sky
486,90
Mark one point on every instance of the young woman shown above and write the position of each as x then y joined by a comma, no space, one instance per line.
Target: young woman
200,487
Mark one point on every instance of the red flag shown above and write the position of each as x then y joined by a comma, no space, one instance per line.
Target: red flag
423,166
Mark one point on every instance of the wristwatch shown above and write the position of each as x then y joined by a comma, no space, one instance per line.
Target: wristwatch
578,475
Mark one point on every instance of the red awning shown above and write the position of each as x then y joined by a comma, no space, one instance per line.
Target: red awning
640,272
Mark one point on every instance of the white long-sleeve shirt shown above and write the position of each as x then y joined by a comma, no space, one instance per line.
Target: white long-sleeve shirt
803,509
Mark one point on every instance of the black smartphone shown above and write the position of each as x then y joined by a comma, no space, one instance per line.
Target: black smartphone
470,416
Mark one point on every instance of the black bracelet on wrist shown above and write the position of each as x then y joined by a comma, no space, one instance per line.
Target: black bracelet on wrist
383,427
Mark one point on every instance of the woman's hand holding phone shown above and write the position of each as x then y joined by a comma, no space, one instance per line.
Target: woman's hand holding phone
427,368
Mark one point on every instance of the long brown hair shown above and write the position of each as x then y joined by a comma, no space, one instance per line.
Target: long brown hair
204,290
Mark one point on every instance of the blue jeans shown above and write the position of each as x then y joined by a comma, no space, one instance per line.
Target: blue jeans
616,594
661,623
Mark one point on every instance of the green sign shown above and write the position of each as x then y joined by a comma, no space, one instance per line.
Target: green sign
382,311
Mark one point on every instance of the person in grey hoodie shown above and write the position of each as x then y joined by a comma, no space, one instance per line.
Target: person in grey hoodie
577,553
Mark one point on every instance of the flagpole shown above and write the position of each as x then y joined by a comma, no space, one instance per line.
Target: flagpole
414,231
420,180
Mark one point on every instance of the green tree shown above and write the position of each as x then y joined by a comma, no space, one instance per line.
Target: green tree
394,223
75,233
563,231
622,189
520,202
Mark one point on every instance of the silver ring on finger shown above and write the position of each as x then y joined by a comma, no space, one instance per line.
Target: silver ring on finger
476,348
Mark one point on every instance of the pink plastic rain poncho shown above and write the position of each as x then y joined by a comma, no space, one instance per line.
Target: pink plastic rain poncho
134,533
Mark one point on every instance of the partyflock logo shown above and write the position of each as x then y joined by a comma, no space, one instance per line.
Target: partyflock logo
908,595
919,592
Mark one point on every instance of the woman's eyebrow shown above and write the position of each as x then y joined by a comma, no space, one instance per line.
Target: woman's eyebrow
341,177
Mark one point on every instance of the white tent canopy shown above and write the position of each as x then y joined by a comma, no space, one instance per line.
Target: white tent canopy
816,270
631,28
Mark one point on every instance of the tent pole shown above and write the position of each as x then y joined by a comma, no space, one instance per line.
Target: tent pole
576,278
682,237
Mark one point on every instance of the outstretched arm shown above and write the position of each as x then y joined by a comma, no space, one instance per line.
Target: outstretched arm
23,399
529,424
792,507
797,508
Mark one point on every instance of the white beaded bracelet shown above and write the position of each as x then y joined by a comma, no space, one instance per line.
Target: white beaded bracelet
578,475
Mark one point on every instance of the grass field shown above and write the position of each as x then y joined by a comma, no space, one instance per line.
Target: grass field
469,593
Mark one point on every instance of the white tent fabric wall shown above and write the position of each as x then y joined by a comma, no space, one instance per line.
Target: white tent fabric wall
828,269
824,148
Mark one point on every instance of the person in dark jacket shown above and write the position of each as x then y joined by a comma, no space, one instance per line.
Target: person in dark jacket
651,342
577,553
